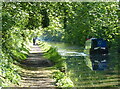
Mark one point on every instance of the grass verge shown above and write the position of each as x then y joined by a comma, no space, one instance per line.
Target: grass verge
50,53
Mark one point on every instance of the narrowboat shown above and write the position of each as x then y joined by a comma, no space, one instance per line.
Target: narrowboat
98,53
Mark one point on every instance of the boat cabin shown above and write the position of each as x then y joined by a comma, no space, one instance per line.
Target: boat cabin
96,46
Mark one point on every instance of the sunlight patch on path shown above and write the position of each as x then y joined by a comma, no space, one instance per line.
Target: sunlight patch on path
39,75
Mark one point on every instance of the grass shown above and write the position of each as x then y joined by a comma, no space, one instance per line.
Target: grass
59,63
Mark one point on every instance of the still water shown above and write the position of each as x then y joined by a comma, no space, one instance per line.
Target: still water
65,49
80,68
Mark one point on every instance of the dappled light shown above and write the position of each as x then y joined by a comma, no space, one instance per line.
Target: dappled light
60,44
41,76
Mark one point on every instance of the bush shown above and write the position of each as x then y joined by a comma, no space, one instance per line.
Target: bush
62,80
8,72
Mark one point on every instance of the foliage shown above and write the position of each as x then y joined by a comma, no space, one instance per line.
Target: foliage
93,19
70,22
62,80
15,42
76,21
52,54
8,72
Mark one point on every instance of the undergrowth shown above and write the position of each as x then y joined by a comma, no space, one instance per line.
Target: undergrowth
9,70
62,80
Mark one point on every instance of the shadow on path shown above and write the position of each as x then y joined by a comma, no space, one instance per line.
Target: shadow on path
37,71
35,59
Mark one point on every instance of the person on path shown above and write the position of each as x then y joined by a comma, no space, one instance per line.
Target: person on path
34,40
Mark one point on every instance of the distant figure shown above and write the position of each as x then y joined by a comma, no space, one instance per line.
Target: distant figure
34,40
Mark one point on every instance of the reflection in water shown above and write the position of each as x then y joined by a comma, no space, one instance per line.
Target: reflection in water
99,61
93,61
80,66
67,53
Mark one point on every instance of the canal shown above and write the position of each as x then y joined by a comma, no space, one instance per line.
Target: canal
79,66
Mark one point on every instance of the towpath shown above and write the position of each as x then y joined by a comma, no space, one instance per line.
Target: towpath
37,70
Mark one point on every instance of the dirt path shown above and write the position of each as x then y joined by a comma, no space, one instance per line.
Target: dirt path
36,71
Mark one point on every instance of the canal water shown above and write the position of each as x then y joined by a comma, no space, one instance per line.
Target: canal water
80,68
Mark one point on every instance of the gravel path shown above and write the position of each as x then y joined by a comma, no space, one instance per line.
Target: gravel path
36,71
